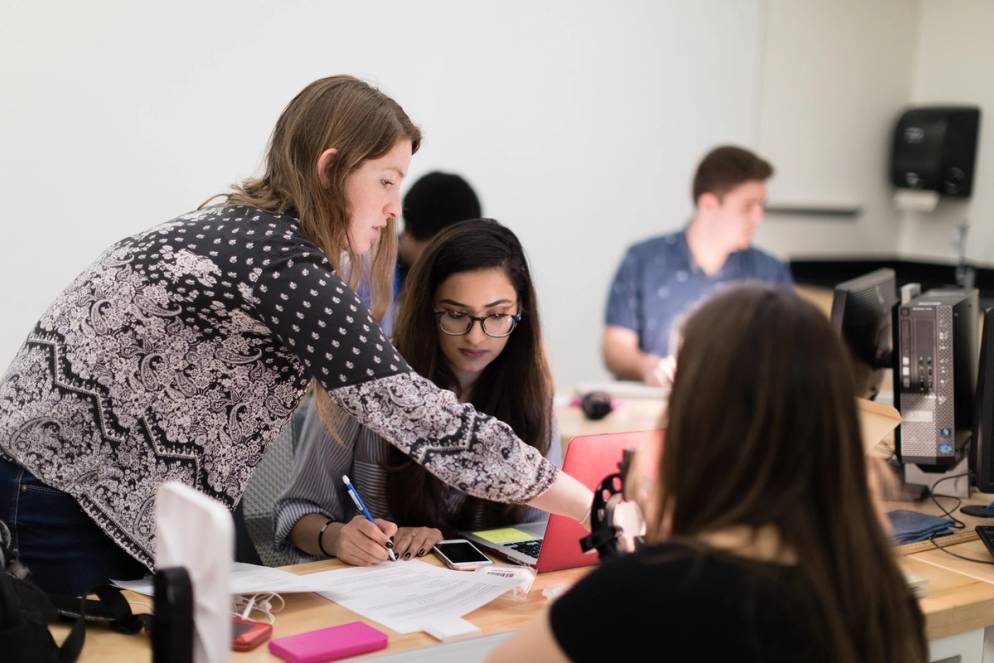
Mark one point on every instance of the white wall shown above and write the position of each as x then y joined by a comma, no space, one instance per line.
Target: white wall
579,122
835,76
955,64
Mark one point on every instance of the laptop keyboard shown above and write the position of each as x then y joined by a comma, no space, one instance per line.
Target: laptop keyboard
528,547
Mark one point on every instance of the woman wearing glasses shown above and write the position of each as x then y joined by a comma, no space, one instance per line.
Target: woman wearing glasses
469,322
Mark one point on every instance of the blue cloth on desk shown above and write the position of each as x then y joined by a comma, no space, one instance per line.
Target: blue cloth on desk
911,526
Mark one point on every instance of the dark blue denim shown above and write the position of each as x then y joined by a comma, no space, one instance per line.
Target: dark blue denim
63,548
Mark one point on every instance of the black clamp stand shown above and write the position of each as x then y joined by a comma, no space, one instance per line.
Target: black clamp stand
604,534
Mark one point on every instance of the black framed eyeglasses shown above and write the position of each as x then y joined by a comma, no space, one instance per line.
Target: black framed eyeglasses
495,325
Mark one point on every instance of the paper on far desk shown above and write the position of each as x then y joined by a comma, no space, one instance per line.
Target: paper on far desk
246,579
408,596
876,421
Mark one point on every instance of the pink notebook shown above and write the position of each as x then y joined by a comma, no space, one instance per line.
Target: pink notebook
329,644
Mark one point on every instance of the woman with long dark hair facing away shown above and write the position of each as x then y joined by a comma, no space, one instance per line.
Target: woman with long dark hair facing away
181,352
764,543
468,321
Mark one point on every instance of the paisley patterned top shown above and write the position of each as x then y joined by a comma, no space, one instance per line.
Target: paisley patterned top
183,350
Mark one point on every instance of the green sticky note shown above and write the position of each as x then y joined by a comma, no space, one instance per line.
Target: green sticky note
504,535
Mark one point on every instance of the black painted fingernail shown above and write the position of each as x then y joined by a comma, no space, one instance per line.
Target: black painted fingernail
389,545
407,555
421,552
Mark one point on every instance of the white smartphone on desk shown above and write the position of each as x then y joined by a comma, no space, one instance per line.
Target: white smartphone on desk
460,554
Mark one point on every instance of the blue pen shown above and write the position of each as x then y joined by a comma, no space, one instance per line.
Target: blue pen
354,494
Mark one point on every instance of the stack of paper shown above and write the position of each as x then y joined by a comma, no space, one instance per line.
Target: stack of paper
404,596
410,596
918,585
245,579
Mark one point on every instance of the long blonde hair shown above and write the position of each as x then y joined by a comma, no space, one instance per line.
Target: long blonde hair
361,123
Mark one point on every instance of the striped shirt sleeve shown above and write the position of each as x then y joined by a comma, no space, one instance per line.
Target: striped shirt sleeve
320,461
316,484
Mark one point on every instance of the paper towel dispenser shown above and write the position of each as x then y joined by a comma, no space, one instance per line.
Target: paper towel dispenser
934,149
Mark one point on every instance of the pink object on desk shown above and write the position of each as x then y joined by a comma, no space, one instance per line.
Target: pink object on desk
589,458
329,644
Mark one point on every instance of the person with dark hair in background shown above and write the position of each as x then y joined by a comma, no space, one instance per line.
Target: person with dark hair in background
433,203
764,541
469,322
661,278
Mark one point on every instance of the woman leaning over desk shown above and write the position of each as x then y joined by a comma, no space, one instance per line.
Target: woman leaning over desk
183,350
468,321
764,544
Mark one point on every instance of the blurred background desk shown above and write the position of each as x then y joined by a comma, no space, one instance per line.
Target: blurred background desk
629,415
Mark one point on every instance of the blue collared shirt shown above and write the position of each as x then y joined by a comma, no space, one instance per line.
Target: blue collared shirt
658,282
365,292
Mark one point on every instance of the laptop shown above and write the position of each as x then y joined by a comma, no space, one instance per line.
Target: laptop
555,545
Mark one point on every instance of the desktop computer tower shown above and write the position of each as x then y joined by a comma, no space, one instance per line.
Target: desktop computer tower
935,376
982,449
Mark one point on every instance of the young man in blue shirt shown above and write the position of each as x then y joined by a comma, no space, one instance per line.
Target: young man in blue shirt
662,277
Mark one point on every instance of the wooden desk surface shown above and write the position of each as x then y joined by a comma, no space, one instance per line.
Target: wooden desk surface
954,603
629,415
973,549
959,598
307,612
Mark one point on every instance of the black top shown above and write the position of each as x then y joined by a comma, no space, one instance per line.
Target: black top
668,602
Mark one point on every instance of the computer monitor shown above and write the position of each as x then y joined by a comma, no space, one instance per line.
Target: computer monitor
982,449
862,310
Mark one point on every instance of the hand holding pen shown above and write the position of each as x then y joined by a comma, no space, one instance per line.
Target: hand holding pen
379,531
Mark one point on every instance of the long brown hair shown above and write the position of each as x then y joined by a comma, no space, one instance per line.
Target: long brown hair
361,123
763,431
516,387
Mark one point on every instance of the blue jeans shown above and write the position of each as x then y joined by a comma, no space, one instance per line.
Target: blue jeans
62,547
